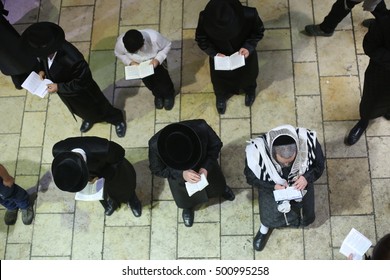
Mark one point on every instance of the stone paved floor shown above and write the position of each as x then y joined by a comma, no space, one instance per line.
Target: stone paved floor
310,82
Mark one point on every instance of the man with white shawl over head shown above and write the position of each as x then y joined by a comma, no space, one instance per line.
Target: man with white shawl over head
283,157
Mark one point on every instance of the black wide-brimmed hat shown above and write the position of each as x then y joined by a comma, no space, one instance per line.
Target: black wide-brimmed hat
179,146
43,38
223,19
133,40
70,172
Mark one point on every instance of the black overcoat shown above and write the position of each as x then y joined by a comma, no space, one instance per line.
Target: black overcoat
13,60
230,82
105,159
269,214
376,91
76,87
211,147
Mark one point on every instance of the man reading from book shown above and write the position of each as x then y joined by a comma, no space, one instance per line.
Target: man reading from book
137,46
184,152
78,160
224,28
285,156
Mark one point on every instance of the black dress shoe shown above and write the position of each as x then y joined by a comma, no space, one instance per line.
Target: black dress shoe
168,103
315,30
135,206
356,132
249,99
158,102
120,129
85,126
221,106
228,194
260,240
188,217
368,22
111,206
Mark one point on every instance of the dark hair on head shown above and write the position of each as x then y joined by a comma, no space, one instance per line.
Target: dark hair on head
382,249
133,40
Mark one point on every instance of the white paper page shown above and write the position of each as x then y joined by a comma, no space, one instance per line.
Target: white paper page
236,61
289,193
35,85
221,63
132,72
91,192
356,244
146,69
195,187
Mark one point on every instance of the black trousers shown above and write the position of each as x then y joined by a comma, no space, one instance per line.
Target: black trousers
160,83
339,12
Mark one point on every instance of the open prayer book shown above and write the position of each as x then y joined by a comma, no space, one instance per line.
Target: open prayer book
195,187
232,62
289,193
35,85
356,244
91,192
139,71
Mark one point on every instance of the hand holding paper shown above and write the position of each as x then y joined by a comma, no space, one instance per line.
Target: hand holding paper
35,85
198,186
356,244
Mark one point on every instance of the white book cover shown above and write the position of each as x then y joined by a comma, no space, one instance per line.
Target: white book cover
195,187
356,244
91,192
232,62
35,85
139,71
289,193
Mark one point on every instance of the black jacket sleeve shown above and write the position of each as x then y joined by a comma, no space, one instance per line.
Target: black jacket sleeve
203,40
315,172
376,43
257,32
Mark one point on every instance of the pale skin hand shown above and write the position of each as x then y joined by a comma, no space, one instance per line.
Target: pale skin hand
8,180
203,171
244,52
155,63
300,183
220,54
191,176
51,88
280,187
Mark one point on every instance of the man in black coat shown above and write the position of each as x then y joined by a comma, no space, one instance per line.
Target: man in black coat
284,157
376,90
72,79
14,61
340,9
78,160
224,28
183,152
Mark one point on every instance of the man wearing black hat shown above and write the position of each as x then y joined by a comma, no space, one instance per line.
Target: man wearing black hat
182,152
78,160
136,46
14,61
72,79
226,27
284,157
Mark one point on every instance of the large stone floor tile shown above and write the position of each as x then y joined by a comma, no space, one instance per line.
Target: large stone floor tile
18,251
77,22
13,107
140,12
52,235
381,196
306,79
191,10
349,187
379,165
33,129
119,243
309,114
340,98
199,241
164,231
88,221
29,161
171,20
20,233
335,133
273,13
236,215
236,247
275,39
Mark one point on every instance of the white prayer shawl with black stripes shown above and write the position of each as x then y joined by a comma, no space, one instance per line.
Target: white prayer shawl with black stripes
265,167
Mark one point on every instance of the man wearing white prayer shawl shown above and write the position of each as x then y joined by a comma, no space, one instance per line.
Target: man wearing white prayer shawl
283,157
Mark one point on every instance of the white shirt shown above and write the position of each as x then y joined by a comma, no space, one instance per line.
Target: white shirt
155,46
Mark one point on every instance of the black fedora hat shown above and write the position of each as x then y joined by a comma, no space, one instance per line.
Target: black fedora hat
70,172
179,146
43,38
223,19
